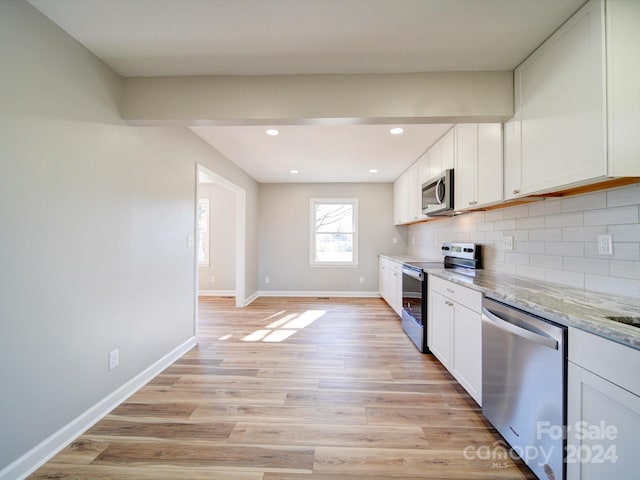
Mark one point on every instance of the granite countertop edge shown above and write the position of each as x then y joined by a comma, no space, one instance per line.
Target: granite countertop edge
572,307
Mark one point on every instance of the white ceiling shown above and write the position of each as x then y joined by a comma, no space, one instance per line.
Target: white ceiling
331,153
258,37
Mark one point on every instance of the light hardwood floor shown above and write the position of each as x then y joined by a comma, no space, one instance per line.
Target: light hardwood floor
294,389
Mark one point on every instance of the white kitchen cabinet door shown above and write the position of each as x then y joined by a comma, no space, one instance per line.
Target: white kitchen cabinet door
560,103
395,287
465,173
466,365
401,200
603,423
447,144
415,193
489,170
439,333
435,160
623,94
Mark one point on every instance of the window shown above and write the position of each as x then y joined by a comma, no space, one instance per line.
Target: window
334,232
203,232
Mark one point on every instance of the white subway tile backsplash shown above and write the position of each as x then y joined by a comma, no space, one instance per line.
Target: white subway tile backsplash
546,207
530,271
625,269
545,234
505,225
621,251
581,203
569,249
586,265
530,222
582,234
624,196
546,261
493,215
612,285
612,216
518,258
564,220
625,233
555,239
564,277
530,247
516,212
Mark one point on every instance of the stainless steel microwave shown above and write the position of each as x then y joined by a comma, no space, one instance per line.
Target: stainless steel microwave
437,195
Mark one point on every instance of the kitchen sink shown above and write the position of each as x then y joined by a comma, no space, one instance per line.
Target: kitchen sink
633,321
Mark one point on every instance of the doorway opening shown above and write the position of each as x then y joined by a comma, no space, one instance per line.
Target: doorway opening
220,248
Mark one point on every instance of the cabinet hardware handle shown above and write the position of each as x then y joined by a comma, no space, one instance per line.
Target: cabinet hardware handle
516,191
450,291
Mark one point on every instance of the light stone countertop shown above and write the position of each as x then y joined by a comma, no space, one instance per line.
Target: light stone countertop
574,307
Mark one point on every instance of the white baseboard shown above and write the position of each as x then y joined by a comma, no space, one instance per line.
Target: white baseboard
41,453
216,293
335,294
249,300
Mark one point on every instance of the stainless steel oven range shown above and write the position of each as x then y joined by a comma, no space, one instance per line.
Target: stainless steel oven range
463,256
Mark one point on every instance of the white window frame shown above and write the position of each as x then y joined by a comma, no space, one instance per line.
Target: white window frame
312,232
205,242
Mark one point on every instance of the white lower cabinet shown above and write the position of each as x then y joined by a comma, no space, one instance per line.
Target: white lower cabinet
390,283
454,332
603,408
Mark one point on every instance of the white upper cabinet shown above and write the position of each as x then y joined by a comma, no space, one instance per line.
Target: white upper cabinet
478,165
575,115
401,200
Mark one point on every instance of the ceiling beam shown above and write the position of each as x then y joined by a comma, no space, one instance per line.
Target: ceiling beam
437,97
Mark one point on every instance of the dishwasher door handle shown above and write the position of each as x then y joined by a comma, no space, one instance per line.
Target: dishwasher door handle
519,331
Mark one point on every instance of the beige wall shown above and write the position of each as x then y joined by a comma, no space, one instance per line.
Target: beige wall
284,237
94,219
220,274
555,240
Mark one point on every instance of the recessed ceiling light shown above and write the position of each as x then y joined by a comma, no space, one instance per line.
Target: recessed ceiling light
396,131
273,132
373,170
293,171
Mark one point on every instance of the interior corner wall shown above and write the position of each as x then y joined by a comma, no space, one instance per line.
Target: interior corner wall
285,229
94,219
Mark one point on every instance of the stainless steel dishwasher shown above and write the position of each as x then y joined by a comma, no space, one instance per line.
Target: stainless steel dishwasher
524,363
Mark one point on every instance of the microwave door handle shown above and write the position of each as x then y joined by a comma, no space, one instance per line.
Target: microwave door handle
438,199
519,331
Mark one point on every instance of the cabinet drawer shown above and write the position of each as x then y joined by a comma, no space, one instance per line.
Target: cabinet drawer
610,360
468,297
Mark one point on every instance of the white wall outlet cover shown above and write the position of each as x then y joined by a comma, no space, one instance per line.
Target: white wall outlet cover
114,358
361,279
190,240
605,245
507,242
395,240
267,280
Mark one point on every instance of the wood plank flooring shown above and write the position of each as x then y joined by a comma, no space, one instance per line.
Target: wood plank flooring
293,389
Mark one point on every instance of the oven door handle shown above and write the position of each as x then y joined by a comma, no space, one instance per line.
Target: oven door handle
413,274
519,331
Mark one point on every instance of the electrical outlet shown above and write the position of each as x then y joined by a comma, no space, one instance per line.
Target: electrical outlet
361,279
413,240
114,358
394,241
507,242
190,240
213,279
605,245
267,280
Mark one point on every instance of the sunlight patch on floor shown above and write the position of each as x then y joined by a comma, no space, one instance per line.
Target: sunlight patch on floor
281,329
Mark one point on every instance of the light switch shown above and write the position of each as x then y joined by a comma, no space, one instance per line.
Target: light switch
190,240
